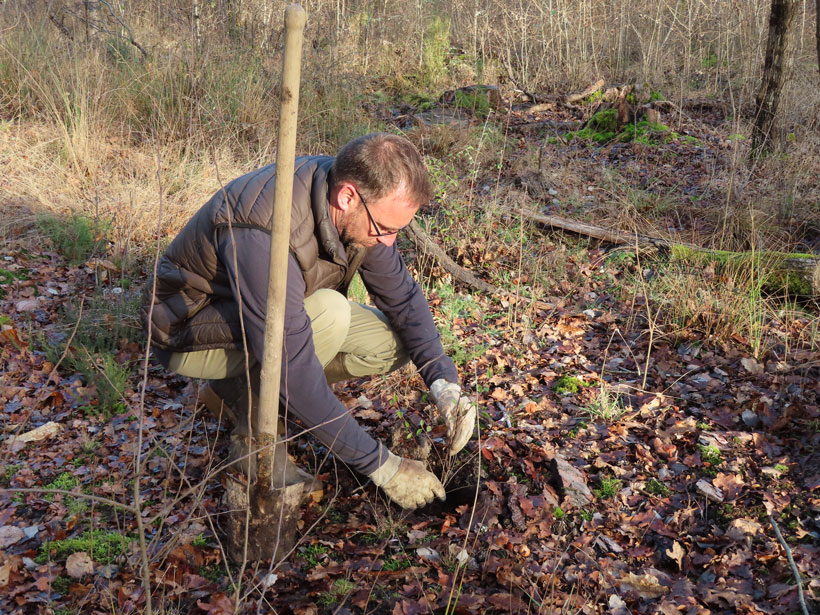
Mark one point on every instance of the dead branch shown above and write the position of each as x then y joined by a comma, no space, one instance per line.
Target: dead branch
586,92
793,566
448,264
805,267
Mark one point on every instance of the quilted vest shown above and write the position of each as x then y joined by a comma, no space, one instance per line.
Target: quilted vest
194,307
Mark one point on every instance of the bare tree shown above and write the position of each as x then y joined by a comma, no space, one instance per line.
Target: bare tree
768,97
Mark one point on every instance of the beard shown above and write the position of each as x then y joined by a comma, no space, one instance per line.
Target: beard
350,229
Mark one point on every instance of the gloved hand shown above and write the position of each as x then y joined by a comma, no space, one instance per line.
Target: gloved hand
407,482
458,412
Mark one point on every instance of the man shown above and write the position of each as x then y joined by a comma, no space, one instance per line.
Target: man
211,285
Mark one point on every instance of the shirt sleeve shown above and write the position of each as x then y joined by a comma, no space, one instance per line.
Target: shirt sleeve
304,390
399,296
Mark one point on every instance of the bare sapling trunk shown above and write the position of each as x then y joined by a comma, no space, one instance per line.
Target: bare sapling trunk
273,507
817,30
771,85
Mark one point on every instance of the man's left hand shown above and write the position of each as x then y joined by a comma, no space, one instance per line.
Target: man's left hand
457,410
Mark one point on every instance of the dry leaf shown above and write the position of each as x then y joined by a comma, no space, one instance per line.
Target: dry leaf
9,535
676,553
751,365
79,564
5,573
646,585
711,493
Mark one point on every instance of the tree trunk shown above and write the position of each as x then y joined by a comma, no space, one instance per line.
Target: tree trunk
817,29
768,97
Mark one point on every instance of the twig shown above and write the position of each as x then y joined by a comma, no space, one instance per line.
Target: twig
85,496
788,551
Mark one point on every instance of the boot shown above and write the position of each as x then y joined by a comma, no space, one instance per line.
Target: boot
221,398
335,371
285,471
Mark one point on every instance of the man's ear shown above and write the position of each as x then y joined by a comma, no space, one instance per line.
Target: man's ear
345,196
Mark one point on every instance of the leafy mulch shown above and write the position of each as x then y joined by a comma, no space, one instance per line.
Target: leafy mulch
622,501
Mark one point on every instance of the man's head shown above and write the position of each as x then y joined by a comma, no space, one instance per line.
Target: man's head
379,182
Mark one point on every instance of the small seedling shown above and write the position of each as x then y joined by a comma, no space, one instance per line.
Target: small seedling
609,487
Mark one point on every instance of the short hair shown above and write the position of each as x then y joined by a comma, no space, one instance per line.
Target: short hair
380,163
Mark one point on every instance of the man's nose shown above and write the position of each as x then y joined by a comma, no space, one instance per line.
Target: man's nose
387,240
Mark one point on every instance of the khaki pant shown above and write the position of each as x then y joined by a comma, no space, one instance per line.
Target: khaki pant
358,334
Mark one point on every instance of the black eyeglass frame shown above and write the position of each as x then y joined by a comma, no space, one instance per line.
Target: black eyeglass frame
375,224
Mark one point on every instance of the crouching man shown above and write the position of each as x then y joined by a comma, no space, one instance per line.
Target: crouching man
211,286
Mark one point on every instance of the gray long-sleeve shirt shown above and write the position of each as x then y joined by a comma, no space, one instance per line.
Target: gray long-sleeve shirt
304,390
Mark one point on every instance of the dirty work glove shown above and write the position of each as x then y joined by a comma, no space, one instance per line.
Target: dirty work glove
407,482
458,412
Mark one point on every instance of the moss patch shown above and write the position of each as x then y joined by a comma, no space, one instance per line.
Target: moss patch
104,547
568,384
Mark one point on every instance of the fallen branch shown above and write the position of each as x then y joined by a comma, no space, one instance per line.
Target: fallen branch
799,273
448,264
586,92
796,572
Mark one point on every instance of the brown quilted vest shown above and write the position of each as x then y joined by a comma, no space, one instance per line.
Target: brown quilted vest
194,307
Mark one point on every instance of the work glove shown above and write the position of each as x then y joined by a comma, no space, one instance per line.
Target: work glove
458,412
407,482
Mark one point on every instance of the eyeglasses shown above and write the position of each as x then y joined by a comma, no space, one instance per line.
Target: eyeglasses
379,232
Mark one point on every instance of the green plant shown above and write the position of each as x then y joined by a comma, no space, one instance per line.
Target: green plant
76,238
476,101
558,513
606,405
568,384
61,584
338,591
396,563
781,468
585,514
711,457
9,470
656,487
65,481
8,277
313,554
436,50
200,540
104,547
609,487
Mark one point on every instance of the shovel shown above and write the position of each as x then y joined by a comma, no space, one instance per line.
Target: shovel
263,516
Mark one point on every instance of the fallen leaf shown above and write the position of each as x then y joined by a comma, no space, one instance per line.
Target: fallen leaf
739,529
752,366
646,586
27,305
676,553
9,535
712,493
5,573
79,564
617,606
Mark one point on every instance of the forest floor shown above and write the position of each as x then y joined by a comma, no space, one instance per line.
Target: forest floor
632,458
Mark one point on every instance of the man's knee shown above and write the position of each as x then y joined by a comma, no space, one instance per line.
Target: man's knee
329,313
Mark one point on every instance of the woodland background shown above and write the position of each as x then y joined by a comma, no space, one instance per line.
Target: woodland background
649,416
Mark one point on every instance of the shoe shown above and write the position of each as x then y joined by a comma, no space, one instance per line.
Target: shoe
285,471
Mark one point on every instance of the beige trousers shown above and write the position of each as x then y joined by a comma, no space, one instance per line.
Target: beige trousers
359,334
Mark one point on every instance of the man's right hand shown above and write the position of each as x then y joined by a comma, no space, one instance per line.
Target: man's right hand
407,482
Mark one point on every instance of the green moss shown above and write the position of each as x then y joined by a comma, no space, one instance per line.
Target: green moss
476,101
103,547
656,487
568,384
